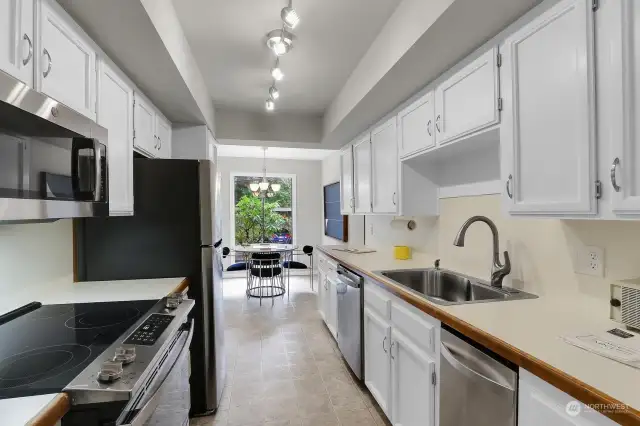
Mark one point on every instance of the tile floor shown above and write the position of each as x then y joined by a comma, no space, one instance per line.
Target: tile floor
284,368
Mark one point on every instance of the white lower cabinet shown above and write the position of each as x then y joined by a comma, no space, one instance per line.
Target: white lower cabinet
400,358
331,300
377,367
539,403
322,291
115,113
412,387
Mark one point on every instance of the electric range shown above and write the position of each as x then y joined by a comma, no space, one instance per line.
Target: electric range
44,350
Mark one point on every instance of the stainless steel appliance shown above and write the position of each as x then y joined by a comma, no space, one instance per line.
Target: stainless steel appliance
350,302
142,378
175,232
477,387
53,160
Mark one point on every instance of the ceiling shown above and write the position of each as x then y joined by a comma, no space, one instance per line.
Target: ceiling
227,38
273,152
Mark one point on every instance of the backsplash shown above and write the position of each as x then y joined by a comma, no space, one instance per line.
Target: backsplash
35,253
542,250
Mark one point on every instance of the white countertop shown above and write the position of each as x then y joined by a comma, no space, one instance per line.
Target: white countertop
19,411
532,326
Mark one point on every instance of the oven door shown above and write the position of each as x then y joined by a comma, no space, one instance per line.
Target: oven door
165,399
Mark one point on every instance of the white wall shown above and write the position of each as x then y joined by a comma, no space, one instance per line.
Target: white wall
308,193
33,254
331,174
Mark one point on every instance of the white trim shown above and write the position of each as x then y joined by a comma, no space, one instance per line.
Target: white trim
232,205
490,187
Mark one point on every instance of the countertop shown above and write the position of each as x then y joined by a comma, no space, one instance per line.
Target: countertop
526,332
36,410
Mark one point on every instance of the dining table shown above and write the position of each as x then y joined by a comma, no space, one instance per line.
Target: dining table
286,255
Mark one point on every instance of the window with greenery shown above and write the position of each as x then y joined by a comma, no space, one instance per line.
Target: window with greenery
263,216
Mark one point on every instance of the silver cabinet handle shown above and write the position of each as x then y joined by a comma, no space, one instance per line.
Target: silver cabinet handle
45,74
438,123
159,143
614,166
383,347
351,202
429,127
156,139
30,55
393,199
508,185
391,350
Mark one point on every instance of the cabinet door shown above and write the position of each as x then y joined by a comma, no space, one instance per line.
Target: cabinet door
163,136
412,388
332,307
619,26
539,403
67,62
384,168
548,129
144,127
468,101
377,368
415,126
362,175
322,290
346,180
16,39
115,113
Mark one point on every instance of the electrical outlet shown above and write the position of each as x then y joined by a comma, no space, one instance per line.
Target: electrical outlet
590,261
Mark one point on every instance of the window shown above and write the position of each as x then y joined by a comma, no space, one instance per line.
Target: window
263,215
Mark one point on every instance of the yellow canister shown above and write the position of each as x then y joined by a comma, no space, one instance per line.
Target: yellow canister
402,252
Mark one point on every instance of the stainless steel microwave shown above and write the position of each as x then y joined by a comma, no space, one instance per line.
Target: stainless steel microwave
53,160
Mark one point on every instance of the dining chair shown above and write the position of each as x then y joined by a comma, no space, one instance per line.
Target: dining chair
293,264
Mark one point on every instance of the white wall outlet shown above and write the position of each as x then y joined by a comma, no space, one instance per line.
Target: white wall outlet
590,261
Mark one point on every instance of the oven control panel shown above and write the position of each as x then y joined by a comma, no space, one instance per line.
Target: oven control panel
149,331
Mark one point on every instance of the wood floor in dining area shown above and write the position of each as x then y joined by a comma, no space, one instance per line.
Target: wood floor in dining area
283,366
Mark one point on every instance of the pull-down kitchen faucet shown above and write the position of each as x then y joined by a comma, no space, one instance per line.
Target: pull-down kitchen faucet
498,270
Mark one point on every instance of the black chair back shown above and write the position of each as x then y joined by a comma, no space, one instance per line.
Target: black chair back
225,251
307,250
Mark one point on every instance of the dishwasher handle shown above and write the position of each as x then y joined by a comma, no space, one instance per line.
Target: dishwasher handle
456,361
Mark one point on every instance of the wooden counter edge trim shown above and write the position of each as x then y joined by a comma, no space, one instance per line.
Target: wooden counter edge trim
184,284
561,380
53,412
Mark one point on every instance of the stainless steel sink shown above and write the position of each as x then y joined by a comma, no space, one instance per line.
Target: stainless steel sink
450,288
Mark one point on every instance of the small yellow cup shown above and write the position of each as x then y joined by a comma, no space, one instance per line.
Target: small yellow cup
402,252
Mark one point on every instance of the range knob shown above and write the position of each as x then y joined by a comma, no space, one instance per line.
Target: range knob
110,371
174,300
125,354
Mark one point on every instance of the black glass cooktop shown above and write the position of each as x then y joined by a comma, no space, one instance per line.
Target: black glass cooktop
42,351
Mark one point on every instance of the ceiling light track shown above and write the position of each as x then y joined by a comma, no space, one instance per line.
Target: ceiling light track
280,42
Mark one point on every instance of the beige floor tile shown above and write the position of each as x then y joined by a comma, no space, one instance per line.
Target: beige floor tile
355,417
318,404
326,419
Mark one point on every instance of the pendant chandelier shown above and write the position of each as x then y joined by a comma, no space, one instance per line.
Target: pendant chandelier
264,188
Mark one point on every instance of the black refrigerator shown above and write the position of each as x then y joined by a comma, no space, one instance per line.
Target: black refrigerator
174,232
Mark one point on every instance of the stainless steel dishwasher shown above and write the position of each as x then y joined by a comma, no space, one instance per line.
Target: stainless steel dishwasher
350,299
477,387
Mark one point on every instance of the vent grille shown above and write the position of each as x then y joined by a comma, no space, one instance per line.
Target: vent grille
630,306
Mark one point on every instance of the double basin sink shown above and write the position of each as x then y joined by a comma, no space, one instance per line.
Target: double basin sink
450,288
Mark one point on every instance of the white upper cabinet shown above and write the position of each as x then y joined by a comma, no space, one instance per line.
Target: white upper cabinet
547,133
384,168
468,101
115,113
66,62
163,135
539,403
618,48
362,175
145,126
415,126
346,180
16,39
412,386
377,368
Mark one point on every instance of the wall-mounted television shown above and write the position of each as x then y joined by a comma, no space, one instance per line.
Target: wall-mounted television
335,224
